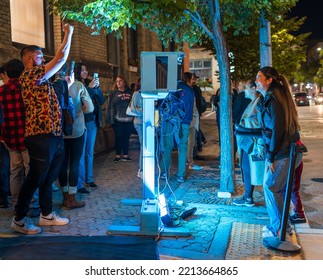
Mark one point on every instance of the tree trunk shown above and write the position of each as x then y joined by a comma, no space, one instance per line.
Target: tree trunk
227,176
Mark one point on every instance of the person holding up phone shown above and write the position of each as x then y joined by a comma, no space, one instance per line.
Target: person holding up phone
73,141
43,134
93,121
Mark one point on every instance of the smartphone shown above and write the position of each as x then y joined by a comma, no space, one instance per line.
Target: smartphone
95,75
72,67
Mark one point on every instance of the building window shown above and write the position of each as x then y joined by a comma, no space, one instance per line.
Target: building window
114,54
31,23
132,47
202,68
113,49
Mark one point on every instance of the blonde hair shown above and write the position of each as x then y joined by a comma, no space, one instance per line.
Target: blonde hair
124,80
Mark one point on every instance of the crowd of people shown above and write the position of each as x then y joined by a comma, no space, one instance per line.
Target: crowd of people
35,150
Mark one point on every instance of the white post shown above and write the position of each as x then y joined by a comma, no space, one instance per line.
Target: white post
265,42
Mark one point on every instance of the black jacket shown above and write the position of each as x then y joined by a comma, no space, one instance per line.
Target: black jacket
98,100
239,106
277,141
199,99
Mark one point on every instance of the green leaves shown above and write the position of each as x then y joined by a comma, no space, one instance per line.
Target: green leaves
190,21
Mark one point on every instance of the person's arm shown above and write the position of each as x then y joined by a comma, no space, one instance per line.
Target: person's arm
62,53
137,103
99,95
277,127
87,104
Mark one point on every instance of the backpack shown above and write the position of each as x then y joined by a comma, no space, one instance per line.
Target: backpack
67,105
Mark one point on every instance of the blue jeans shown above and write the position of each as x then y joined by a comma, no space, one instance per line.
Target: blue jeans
191,144
86,161
139,129
274,190
46,153
182,149
245,166
4,171
274,186
73,153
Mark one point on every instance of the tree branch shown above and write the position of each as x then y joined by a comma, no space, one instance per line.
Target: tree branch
196,17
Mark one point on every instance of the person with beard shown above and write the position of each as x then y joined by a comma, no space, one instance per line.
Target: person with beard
43,134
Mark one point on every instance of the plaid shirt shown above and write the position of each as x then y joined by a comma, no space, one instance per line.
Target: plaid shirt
13,128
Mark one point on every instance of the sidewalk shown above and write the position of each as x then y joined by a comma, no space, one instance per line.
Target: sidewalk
218,229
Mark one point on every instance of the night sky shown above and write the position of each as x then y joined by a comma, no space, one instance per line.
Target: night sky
314,14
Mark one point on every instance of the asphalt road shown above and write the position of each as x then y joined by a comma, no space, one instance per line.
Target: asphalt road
311,119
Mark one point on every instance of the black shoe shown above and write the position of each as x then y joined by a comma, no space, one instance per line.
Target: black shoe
126,159
4,202
297,219
243,202
117,159
197,157
83,191
91,185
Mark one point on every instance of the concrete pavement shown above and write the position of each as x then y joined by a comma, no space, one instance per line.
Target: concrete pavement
218,230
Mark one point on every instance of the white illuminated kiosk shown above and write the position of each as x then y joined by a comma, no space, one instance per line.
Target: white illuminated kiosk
159,72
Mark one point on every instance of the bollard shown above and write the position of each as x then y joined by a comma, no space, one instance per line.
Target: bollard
280,243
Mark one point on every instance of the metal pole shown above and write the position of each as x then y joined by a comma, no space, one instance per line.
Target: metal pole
279,243
288,191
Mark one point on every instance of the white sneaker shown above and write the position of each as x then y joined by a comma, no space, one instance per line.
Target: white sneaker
139,174
195,167
25,226
267,233
52,220
265,228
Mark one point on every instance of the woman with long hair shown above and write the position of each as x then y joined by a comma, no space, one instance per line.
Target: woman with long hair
93,121
73,143
280,128
116,115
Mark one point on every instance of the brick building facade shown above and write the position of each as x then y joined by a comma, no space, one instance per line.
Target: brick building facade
104,54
